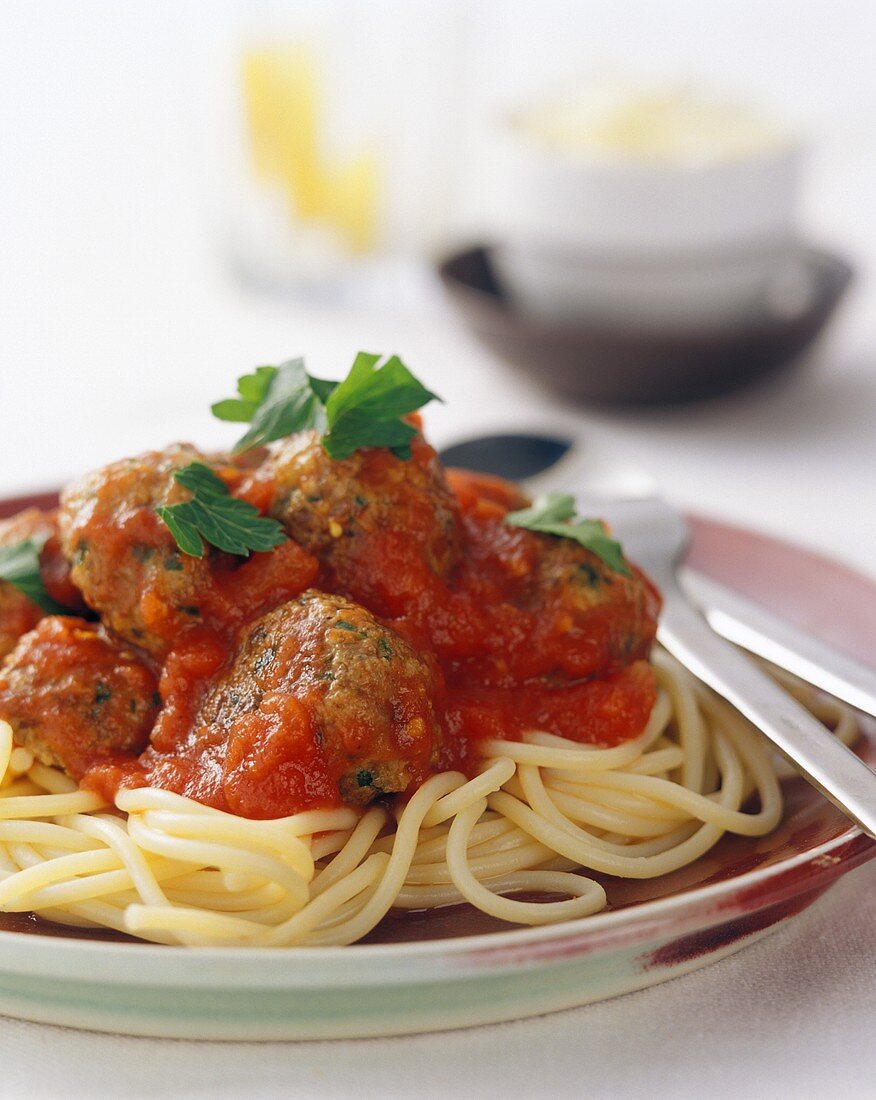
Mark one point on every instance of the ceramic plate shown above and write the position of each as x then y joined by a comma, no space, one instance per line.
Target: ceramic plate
455,968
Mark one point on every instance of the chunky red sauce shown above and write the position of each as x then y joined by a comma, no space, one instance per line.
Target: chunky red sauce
503,669
501,661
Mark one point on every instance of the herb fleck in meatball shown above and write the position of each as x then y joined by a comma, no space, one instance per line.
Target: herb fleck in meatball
75,695
323,671
382,527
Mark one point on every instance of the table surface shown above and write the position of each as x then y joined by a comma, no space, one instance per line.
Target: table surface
120,325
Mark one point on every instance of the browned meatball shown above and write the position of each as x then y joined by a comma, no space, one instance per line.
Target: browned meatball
367,693
530,605
76,696
604,620
123,558
381,526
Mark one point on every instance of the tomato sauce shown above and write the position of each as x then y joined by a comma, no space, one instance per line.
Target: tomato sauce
509,657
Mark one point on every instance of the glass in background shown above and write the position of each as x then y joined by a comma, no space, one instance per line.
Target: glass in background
342,144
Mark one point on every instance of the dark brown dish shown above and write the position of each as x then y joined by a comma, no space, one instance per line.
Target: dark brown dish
613,365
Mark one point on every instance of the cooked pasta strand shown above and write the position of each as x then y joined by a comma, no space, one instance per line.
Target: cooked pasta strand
539,814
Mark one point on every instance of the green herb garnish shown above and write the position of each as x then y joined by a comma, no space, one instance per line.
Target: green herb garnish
276,402
554,514
214,516
102,693
365,410
20,566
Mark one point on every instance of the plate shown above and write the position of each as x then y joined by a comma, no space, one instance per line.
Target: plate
609,363
457,968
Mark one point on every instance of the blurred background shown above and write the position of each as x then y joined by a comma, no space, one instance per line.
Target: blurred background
650,227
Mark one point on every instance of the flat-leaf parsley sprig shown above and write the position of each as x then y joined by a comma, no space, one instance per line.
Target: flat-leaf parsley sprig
214,516
554,514
366,409
20,566
275,402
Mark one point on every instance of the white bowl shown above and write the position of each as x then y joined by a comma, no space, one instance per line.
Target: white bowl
699,233
702,291
637,209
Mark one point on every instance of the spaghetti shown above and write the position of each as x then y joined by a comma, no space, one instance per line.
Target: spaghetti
541,812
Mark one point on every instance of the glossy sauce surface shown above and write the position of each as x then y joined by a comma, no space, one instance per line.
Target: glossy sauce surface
502,662
836,604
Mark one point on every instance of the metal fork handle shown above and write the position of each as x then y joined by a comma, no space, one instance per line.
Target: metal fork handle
745,623
829,766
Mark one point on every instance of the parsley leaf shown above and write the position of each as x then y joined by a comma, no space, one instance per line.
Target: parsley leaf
275,402
365,410
253,389
213,515
20,566
554,514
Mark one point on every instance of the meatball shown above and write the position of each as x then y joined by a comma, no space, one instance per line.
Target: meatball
123,558
76,696
18,614
366,694
382,527
604,620
529,605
